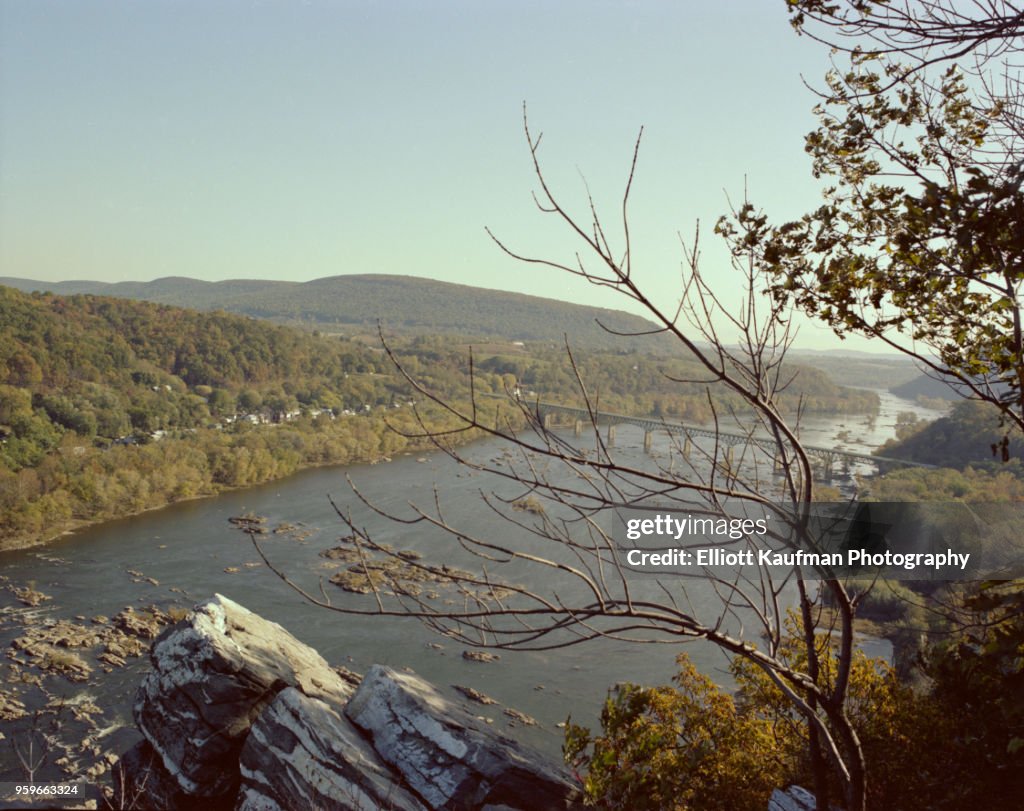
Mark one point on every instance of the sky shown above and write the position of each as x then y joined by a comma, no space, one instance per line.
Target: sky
287,140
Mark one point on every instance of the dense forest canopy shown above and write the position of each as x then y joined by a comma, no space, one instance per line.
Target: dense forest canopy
109,406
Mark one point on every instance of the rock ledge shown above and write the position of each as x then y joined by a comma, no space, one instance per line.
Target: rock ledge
238,714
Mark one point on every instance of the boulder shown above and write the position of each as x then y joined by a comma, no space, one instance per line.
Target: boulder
301,753
445,755
213,673
237,713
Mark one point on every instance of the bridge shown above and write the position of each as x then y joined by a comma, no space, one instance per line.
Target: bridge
826,458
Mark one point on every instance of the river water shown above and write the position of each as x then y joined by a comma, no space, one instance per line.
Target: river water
192,551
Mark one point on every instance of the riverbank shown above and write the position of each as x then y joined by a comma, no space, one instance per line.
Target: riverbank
70,528
96,485
80,486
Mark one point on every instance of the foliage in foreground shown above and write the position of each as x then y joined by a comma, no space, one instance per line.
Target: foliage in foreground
955,742
679,747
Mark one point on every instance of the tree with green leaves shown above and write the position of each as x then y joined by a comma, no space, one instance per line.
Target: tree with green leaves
917,242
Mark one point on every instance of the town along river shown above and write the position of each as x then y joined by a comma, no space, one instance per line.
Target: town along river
187,552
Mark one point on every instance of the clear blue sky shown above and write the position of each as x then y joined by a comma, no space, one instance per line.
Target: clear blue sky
282,140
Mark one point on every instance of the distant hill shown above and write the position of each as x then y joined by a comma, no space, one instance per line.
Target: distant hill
970,435
926,386
862,369
402,303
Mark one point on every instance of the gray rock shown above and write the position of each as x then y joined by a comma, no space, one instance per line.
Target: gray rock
450,759
213,673
300,753
238,714
793,798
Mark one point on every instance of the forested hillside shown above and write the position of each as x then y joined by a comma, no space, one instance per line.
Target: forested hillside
867,369
666,387
110,406
403,303
926,386
108,367
972,434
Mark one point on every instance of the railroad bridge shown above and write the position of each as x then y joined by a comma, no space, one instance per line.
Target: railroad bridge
827,459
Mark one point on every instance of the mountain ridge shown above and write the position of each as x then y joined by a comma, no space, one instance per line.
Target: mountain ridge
401,302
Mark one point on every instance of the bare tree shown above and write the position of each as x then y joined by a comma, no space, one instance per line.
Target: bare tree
578,584
35,748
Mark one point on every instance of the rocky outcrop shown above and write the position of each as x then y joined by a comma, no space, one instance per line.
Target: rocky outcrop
445,755
301,747
213,674
237,713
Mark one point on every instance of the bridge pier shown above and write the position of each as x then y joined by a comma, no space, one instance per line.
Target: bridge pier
687,447
546,422
647,440
824,470
611,435
578,428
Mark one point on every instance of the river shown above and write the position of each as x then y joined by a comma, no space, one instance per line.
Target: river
191,551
